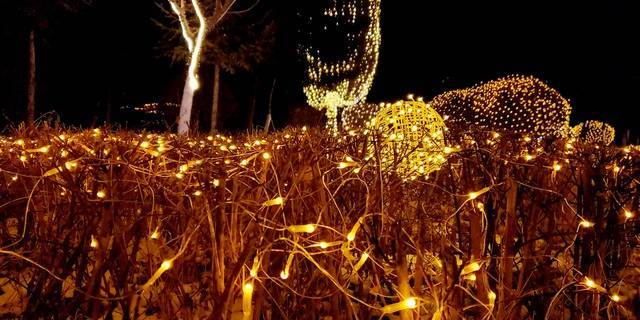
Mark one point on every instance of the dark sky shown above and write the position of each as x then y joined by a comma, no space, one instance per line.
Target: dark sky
106,54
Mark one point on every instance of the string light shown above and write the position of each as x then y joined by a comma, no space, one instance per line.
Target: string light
594,132
343,78
517,104
408,303
413,138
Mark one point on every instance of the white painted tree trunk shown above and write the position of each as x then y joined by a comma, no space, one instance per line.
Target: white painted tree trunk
185,108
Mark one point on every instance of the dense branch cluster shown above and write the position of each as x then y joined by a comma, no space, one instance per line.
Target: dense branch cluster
302,224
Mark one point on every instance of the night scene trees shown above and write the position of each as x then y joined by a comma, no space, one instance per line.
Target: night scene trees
470,179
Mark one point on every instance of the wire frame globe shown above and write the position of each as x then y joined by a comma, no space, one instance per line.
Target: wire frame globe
594,132
411,138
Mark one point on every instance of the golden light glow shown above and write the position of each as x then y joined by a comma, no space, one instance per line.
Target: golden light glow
94,242
344,79
594,132
410,153
586,224
517,104
277,201
304,228
408,303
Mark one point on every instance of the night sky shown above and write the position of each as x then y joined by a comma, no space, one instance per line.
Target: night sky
107,54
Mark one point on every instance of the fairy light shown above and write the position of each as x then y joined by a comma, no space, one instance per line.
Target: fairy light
304,228
274,202
101,194
410,152
556,166
518,104
93,243
406,304
155,234
343,79
363,258
586,224
615,297
628,214
594,132
492,297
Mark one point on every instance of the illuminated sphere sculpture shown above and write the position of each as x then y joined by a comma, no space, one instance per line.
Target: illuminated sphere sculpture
516,104
412,138
339,47
594,132
359,116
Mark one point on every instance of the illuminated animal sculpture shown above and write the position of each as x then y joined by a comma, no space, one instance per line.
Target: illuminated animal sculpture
517,104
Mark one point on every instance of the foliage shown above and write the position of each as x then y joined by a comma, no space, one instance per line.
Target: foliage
99,224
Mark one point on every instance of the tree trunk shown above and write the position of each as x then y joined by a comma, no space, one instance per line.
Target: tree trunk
216,98
267,122
185,107
31,88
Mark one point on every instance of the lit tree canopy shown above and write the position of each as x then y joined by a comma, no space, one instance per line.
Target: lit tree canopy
519,104
340,51
594,132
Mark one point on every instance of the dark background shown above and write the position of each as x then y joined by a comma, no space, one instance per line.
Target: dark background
106,55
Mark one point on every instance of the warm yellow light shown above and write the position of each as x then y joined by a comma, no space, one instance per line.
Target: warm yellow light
303,228
409,303
492,297
184,168
247,294
179,175
166,265
101,194
284,274
155,234
94,242
266,155
144,144
628,214
471,268
274,202
473,195
197,193
556,166
586,224
615,298
323,244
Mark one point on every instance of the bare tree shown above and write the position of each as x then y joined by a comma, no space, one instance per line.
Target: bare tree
208,13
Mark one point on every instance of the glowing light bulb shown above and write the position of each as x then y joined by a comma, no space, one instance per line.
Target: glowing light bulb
101,194
492,297
166,265
586,224
94,242
266,155
615,298
473,195
408,303
628,214
273,202
323,244
155,234
302,228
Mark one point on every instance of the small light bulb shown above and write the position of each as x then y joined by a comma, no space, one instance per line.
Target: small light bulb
586,224
166,265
